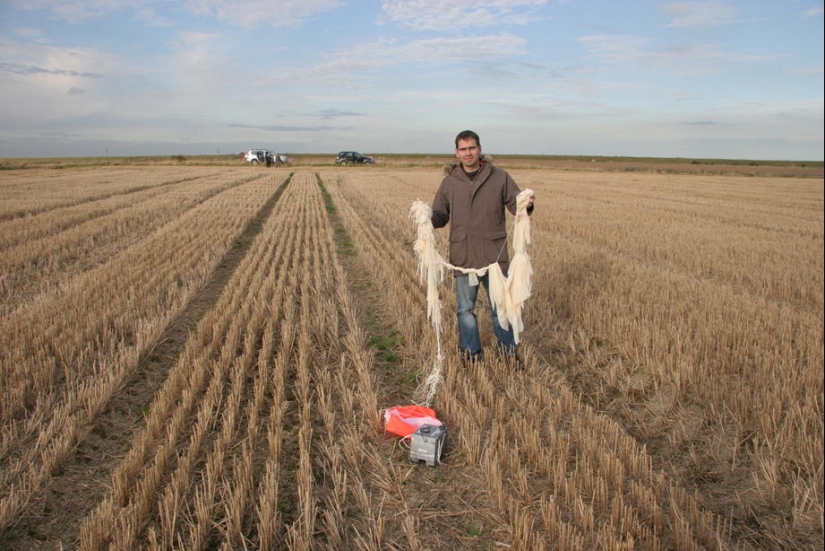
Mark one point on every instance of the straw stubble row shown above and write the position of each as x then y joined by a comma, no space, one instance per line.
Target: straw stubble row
556,473
267,432
61,365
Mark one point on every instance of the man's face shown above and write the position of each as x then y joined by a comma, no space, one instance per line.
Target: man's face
469,153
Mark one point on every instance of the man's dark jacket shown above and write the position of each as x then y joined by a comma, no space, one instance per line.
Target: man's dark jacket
475,211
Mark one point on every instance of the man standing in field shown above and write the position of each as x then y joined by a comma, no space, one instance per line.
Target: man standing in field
472,198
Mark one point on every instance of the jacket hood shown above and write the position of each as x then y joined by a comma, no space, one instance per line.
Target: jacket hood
449,167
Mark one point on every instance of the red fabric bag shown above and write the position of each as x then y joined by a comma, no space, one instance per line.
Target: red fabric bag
405,420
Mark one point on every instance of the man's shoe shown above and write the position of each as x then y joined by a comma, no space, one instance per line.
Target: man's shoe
513,359
469,360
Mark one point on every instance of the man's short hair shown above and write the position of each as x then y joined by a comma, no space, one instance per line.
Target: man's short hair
467,135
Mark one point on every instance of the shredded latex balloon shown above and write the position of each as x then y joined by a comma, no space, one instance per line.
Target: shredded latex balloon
507,295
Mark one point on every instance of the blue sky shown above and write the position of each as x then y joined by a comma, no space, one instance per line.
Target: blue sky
706,79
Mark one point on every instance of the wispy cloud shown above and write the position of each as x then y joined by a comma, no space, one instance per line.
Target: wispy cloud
16,69
343,68
812,71
678,94
684,59
239,12
48,83
279,128
261,12
198,64
28,33
151,17
35,58
429,15
433,50
701,14
328,114
614,48
74,11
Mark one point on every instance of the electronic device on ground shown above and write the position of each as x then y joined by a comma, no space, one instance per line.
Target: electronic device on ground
427,444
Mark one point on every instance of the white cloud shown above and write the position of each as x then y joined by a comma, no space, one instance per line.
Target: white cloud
678,94
344,67
682,59
41,82
329,114
197,76
28,33
447,50
701,14
77,10
809,71
35,60
151,17
261,12
460,14
616,48
196,53
807,110
241,12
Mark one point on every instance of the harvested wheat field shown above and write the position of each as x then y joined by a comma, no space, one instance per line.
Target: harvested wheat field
197,358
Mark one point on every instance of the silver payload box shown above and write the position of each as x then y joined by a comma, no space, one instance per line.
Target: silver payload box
427,444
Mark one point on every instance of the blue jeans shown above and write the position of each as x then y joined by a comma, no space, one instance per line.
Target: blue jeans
468,337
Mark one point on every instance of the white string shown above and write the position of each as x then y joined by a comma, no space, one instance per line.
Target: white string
507,294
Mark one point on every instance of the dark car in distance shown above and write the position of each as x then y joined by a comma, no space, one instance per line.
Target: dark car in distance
353,157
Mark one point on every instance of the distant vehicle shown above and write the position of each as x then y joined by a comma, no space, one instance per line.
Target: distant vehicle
256,156
353,157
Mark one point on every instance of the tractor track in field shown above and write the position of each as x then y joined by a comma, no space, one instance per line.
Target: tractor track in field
455,511
53,522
